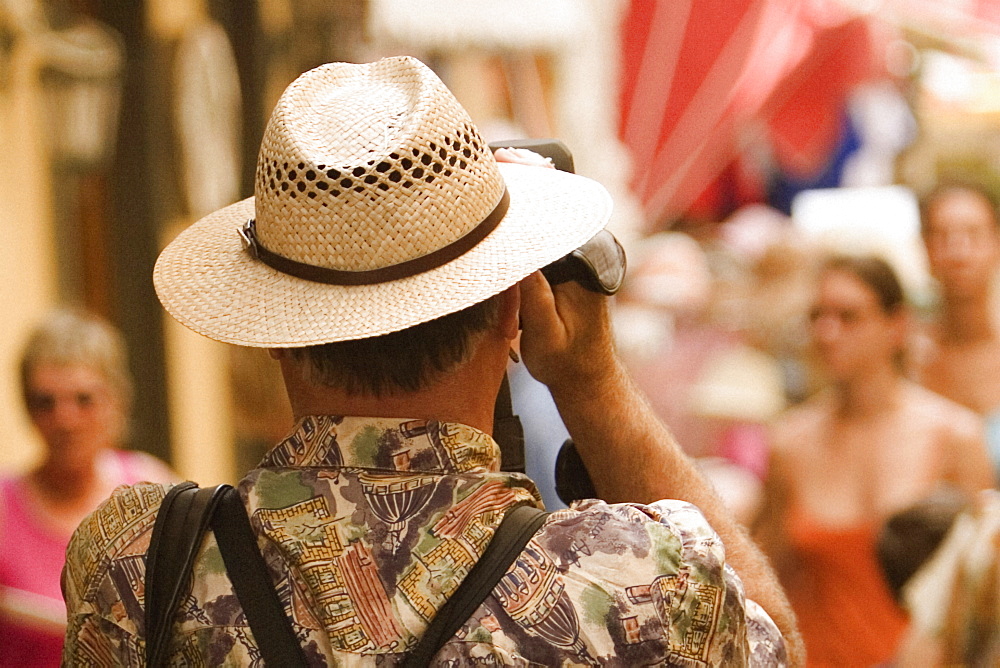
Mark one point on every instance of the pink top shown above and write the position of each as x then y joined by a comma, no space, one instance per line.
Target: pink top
31,562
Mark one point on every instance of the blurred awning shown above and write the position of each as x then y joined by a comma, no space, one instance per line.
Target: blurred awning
450,25
702,79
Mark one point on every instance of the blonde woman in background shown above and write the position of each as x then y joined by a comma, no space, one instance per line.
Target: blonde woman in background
77,392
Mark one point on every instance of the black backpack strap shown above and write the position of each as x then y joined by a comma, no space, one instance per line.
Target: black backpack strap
507,430
181,524
253,585
184,518
514,532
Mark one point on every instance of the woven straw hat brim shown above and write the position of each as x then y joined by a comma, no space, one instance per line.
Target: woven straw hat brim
209,283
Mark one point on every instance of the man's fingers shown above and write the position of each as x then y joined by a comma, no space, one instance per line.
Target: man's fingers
523,156
539,316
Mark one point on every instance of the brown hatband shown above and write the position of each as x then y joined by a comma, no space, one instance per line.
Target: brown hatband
394,272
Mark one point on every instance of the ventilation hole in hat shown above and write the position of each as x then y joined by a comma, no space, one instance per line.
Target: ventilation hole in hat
271,184
312,195
293,194
358,171
476,145
322,185
395,177
292,174
302,165
311,175
462,164
407,184
335,193
301,185
406,163
418,172
442,154
382,167
321,167
394,156
278,174
383,187
452,160
466,136
346,183
333,174
284,165
432,145
447,172
371,178
437,167
284,186
359,189
426,159
467,152
429,178
415,152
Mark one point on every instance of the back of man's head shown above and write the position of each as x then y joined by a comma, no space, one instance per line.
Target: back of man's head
380,228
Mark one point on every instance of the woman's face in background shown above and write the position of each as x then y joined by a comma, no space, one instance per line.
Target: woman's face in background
75,410
849,329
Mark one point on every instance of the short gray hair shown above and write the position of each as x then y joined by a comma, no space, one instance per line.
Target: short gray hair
71,336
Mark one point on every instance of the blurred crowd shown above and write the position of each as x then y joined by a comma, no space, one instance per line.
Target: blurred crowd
847,422
852,428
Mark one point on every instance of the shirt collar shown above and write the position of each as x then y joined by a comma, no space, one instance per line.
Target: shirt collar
389,444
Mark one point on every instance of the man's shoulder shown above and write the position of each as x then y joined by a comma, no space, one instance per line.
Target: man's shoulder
968,373
663,525
637,570
119,528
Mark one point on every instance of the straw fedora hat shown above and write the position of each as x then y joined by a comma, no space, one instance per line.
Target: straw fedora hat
377,206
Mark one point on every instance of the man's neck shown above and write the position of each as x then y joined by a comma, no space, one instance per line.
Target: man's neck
968,320
466,395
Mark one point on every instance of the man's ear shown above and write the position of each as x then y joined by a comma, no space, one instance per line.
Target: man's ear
510,309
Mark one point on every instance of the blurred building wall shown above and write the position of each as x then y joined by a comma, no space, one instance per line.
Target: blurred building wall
198,398
27,253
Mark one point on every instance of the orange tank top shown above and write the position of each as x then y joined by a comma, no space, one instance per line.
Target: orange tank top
846,612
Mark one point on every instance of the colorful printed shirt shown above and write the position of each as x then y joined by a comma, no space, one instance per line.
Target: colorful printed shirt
368,525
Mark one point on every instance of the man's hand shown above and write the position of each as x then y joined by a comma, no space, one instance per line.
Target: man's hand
566,338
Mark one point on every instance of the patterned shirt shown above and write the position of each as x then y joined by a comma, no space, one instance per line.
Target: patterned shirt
369,524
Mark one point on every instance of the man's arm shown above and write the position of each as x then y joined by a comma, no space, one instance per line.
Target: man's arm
631,455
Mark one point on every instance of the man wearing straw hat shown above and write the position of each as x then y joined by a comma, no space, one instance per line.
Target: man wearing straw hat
388,261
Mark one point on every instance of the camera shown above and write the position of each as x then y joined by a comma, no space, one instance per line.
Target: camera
598,265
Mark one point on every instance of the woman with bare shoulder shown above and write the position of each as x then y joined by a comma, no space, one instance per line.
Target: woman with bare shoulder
872,442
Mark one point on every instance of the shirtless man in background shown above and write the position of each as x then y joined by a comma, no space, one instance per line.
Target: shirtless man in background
961,231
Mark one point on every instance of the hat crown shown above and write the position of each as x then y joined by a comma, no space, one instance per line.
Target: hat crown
367,166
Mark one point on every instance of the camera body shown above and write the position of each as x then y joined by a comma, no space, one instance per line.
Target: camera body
598,265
